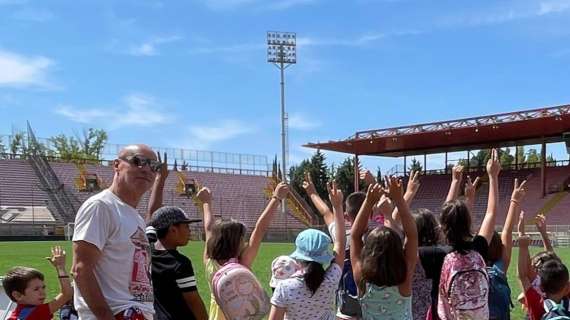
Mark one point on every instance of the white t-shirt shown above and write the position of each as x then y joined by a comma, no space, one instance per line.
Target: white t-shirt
294,296
123,269
332,232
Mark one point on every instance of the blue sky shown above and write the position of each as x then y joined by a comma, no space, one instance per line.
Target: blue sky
193,74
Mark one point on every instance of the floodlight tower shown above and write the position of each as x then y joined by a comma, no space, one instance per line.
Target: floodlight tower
282,52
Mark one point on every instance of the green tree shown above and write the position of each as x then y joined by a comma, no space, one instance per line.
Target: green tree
520,156
87,147
415,166
532,156
17,145
345,177
3,154
319,173
479,159
506,158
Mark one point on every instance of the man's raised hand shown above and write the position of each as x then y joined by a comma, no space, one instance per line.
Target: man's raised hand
308,184
162,173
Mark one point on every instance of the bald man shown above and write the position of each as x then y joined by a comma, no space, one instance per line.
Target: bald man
111,254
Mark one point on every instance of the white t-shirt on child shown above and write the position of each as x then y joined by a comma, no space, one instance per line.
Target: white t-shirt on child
294,296
123,269
332,232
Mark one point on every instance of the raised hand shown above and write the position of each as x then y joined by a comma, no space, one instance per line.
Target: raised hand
383,207
367,177
540,222
520,226
494,164
204,195
519,191
395,190
524,241
335,195
281,191
457,172
57,258
374,193
413,183
162,174
471,187
308,184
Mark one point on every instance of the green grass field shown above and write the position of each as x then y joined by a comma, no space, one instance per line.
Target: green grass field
32,254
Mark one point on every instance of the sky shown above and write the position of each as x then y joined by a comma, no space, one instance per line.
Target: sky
193,74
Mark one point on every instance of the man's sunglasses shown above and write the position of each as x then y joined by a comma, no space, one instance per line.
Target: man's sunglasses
142,161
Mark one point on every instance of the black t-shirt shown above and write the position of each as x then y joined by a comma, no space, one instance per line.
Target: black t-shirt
432,258
172,275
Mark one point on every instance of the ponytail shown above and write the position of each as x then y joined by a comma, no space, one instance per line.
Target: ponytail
314,275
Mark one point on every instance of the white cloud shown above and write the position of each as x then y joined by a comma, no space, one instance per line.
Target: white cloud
150,47
203,136
299,121
135,110
353,42
24,71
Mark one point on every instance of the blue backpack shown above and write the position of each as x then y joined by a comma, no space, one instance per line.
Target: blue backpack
555,311
500,302
347,293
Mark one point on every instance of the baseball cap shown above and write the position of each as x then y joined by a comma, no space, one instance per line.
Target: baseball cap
167,216
282,267
313,245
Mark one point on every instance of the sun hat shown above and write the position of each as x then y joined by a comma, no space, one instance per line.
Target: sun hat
313,245
282,267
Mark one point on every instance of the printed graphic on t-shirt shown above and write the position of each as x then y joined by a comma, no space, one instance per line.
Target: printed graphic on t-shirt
140,285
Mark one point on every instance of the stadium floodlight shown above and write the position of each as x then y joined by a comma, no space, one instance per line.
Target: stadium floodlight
282,52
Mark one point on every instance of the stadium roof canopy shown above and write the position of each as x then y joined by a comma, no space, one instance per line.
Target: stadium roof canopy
544,125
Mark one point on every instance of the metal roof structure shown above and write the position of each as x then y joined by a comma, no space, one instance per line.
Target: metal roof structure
528,127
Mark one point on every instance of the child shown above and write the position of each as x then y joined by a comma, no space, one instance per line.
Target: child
499,259
174,283
26,287
282,267
225,240
553,282
464,282
382,265
310,293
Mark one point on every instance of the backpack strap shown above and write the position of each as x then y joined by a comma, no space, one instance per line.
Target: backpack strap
26,312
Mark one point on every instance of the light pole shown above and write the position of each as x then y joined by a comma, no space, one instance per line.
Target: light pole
282,52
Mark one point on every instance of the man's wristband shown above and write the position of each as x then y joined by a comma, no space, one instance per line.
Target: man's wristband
516,202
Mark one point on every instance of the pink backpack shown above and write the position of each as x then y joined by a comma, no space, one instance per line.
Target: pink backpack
238,292
463,287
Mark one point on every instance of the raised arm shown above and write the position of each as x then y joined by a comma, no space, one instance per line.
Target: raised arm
540,222
471,191
456,178
367,177
411,190
359,227
517,196
205,197
336,197
493,169
321,206
410,232
524,256
57,259
250,252
156,193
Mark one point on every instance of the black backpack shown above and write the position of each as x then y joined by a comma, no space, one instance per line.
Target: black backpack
347,293
555,311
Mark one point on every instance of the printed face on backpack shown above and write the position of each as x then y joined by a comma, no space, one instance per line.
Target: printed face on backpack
35,293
